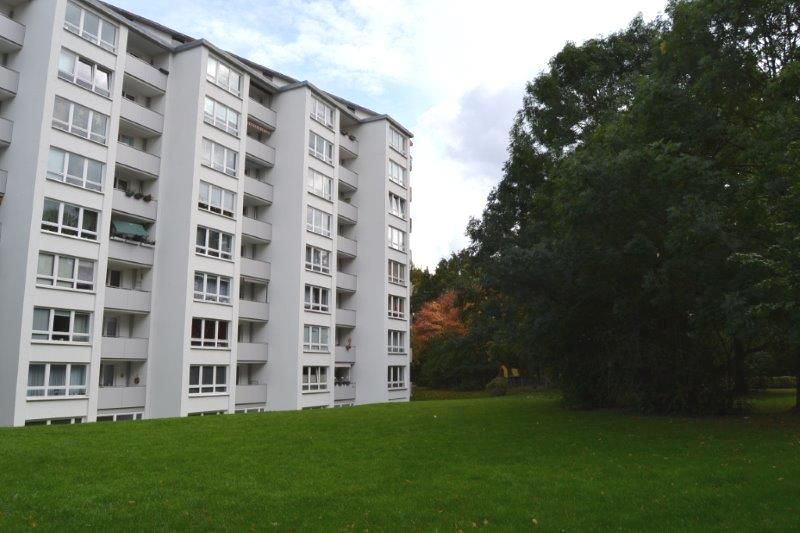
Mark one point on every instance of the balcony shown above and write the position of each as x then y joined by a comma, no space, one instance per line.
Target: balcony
251,394
12,35
130,205
130,300
346,282
255,269
253,311
252,352
121,397
344,391
130,252
348,212
260,151
138,161
348,178
343,355
9,82
142,117
6,128
346,318
345,246
146,73
348,148
258,189
3,183
256,229
123,348
262,113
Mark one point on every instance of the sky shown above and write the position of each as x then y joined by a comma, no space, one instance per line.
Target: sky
453,72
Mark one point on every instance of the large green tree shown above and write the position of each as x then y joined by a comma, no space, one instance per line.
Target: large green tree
644,238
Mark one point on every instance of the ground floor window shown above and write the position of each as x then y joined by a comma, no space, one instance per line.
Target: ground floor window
54,421
397,377
315,378
208,379
119,417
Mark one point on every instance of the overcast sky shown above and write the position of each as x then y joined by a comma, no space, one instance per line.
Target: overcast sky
453,72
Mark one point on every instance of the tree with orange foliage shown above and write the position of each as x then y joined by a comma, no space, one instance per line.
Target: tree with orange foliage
436,318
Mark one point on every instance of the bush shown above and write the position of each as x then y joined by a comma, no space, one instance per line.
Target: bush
774,382
497,387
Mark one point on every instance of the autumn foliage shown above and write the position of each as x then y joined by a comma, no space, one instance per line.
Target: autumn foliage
436,318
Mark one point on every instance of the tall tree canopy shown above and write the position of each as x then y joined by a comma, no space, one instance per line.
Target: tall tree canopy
643,242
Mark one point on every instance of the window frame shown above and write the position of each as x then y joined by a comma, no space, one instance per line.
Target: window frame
326,154
394,277
402,245
218,387
81,32
70,390
396,377
206,250
210,343
211,163
311,225
325,189
396,307
397,206
322,118
225,125
72,129
318,266
394,136
216,79
58,226
74,78
397,173
70,333
396,341
204,295
313,298
209,206
57,282
309,345
64,175
320,375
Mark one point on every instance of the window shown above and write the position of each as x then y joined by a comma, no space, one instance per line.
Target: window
68,219
60,325
91,27
64,271
316,298
208,379
397,307
315,338
111,326
396,341
315,378
318,260
214,243
79,120
80,71
212,288
320,148
321,112
397,239
75,169
397,272
216,199
320,184
56,379
221,116
397,173
318,221
210,333
397,206
119,417
397,377
224,76
219,157
397,140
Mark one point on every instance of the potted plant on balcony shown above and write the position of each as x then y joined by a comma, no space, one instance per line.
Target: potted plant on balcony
138,196
129,192
148,198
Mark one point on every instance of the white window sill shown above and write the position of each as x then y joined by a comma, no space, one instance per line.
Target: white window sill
62,182
316,352
316,391
224,304
398,151
204,394
52,398
61,343
316,311
223,130
214,257
209,348
67,289
234,176
112,52
83,239
315,195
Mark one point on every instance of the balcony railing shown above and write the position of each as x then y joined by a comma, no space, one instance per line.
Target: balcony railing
344,391
247,394
346,282
146,73
127,300
138,160
146,118
348,212
9,83
128,203
348,178
258,189
123,348
6,130
121,397
346,318
130,252
347,246
255,269
262,113
260,151
343,355
348,148
252,352
257,229
12,34
256,311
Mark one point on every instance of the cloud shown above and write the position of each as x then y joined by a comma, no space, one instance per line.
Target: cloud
453,71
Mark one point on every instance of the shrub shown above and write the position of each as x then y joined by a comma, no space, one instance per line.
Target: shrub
497,387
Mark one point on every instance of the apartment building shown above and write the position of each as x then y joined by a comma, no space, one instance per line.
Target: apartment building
185,232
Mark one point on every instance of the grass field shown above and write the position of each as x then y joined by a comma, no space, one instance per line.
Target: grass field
509,463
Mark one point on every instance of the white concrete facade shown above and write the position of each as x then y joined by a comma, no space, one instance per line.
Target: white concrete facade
185,232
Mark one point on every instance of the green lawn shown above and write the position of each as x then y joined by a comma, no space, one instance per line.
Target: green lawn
500,463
